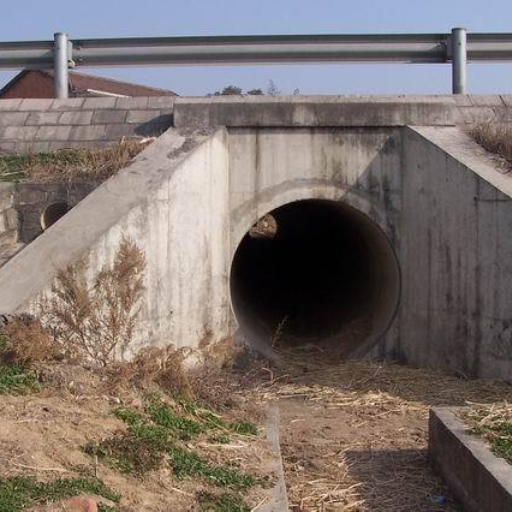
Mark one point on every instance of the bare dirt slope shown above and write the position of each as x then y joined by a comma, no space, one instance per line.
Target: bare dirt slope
44,434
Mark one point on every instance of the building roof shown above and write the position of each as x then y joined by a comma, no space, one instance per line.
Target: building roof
80,85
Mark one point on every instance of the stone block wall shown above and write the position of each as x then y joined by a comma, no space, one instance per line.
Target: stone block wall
32,199
21,207
9,221
36,125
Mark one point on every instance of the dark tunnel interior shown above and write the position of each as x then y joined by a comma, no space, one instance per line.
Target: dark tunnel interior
325,275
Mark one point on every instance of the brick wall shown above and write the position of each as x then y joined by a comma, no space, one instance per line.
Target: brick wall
34,125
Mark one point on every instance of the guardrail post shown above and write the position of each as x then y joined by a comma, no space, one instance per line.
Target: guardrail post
60,65
459,60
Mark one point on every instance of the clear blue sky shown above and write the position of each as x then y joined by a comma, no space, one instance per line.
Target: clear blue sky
37,19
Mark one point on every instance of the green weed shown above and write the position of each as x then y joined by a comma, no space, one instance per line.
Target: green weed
188,463
225,502
18,493
129,416
499,437
220,439
164,416
245,428
128,453
15,380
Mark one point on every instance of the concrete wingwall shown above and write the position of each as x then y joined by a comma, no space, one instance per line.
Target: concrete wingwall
171,203
457,271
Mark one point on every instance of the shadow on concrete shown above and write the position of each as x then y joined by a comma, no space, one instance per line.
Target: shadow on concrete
155,126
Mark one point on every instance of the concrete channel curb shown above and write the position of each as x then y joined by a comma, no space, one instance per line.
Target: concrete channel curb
278,500
478,479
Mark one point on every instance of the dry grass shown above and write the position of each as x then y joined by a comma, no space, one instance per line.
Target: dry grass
494,424
71,164
354,435
495,138
489,415
27,343
94,319
208,381
154,365
211,380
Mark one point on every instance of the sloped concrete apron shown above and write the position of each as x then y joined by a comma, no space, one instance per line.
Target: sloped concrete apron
479,479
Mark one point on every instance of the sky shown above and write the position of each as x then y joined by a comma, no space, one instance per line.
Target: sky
37,19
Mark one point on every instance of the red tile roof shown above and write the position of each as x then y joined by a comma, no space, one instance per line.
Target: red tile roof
39,84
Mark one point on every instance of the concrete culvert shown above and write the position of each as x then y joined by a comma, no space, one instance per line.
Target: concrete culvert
52,213
329,279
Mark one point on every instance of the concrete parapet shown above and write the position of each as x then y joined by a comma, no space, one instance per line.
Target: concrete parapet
311,111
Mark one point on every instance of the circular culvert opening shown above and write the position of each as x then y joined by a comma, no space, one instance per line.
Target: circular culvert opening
52,213
328,277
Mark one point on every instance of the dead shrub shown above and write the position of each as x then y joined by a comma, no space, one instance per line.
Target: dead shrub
161,366
209,382
26,342
495,138
212,381
94,319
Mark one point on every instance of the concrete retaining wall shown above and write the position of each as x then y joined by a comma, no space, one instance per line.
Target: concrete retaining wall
442,203
479,480
456,265
318,111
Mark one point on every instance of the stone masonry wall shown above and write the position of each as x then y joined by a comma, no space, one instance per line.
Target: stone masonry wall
35,125
9,221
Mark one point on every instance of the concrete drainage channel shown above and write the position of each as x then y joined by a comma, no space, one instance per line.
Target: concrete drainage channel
325,276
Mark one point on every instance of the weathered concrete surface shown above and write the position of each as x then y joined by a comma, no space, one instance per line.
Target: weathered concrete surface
443,206
478,479
455,255
323,111
273,167
172,204
278,496
308,111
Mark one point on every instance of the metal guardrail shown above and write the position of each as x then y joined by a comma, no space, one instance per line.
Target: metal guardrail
63,53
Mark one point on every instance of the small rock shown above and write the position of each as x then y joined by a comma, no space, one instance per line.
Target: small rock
79,504
114,400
